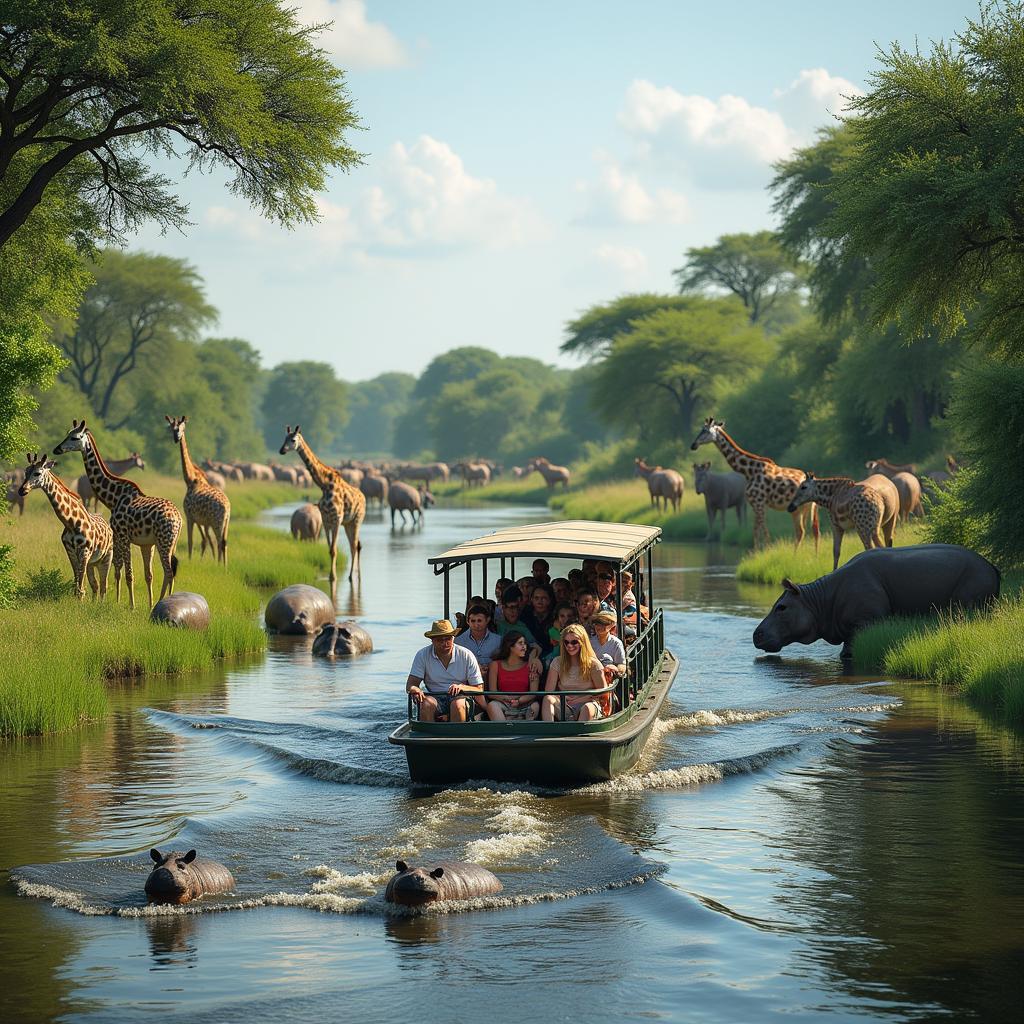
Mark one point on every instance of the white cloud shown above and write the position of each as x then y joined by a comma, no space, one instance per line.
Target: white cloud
813,98
241,222
353,40
623,257
620,198
729,142
422,201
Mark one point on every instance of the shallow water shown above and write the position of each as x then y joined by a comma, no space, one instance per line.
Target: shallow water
794,841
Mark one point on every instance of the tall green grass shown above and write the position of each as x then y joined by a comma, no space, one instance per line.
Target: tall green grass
530,490
56,652
981,654
781,559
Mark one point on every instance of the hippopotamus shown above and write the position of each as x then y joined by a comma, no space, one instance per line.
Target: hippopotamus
337,639
184,609
299,608
449,880
180,877
306,522
913,580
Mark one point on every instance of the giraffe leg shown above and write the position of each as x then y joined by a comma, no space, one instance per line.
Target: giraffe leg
759,527
90,568
191,523
352,532
129,577
76,556
837,544
889,529
222,550
332,548
798,523
167,564
205,540
814,525
147,569
118,560
104,572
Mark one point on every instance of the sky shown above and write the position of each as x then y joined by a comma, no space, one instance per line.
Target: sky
525,161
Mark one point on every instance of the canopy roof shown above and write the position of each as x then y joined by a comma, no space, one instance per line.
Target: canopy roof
571,538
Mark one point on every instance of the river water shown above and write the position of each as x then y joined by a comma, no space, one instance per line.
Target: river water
795,843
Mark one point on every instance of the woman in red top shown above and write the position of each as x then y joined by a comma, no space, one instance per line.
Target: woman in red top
509,673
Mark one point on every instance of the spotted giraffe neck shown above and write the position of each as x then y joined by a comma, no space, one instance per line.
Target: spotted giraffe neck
739,460
64,500
189,470
827,487
108,488
323,476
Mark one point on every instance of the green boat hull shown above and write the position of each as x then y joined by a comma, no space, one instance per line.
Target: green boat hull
543,753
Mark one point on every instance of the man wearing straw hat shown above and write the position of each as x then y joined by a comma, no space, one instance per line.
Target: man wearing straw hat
441,672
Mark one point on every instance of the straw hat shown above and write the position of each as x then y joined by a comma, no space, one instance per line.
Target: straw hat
605,618
440,627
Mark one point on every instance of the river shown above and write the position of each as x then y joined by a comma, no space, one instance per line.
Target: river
795,843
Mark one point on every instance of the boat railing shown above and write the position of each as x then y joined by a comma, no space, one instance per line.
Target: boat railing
474,695
644,654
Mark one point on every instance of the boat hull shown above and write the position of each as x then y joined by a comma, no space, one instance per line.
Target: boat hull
541,753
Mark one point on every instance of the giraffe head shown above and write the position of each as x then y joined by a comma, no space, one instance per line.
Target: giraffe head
292,437
36,472
177,425
708,433
807,491
76,441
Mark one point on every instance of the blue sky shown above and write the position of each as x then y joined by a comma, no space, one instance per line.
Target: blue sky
525,161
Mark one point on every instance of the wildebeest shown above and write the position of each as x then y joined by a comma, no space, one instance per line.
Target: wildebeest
722,491
664,485
913,580
374,486
476,474
404,498
552,474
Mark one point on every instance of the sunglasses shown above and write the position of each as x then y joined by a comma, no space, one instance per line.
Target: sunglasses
571,641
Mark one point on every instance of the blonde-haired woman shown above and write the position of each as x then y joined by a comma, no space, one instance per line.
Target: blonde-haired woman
576,668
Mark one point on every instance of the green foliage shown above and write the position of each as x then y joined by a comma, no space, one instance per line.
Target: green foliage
982,506
307,393
753,267
46,585
591,333
8,586
97,84
231,369
137,307
931,192
376,405
672,364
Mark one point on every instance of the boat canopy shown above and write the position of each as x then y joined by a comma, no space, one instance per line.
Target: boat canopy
620,543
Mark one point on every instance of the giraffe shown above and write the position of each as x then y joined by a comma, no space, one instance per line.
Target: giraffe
117,467
851,506
135,518
206,506
87,537
340,503
768,485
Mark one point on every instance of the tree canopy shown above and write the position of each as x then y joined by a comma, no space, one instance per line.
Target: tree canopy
670,363
591,333
930,193
310,393
88,89
753,267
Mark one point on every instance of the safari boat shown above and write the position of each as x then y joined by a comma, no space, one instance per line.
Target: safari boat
551,752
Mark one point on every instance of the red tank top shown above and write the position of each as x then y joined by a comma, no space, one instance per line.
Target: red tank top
515,680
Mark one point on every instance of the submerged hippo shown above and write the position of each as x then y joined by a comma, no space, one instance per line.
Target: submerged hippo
299,608
338,639
449,880
184,609
180,877
914,580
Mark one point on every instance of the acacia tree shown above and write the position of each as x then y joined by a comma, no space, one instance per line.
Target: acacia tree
590,334
137,302
669,365
753,267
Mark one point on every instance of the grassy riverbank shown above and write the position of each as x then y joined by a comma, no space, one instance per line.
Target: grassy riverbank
530,490
56,652
981,655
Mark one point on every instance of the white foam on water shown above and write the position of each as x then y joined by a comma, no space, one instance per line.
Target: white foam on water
712,719
691,774
332,880
505,847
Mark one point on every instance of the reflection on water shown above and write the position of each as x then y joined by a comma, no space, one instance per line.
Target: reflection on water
794,840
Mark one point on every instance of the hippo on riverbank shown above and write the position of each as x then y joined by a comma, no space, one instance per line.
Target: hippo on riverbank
339,639
184,609
449,880
913,580
298,609
182,877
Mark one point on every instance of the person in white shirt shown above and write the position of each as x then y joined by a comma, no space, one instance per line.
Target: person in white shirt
441,673
478,638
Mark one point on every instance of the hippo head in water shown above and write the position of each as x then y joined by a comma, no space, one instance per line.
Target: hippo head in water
170,881
791,621
416,886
